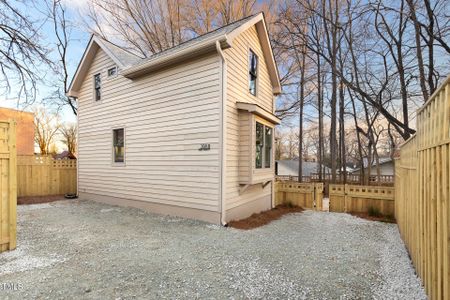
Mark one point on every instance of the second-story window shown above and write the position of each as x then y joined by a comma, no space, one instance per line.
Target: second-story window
97,87
252,72
112,72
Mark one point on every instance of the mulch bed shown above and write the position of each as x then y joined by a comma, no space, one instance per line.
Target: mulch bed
265,217
39,199
373,218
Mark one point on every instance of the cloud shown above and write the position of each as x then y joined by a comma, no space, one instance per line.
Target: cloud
77,5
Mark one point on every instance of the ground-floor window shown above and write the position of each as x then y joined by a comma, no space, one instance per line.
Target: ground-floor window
118,145
263,155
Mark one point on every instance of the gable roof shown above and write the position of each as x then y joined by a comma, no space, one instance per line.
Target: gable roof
133,66
121,57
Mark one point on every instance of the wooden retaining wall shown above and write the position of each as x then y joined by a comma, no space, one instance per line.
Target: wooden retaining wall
8,185
422,194
306,195
360,198
44,176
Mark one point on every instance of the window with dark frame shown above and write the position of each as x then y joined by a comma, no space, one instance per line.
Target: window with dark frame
259,145
252,72
118,145
263,143
112,72
267,146
97,87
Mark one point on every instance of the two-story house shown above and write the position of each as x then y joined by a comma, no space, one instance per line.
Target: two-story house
187,131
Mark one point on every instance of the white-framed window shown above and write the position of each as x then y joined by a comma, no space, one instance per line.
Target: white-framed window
112,72
119,145
252,72
263,143
97,87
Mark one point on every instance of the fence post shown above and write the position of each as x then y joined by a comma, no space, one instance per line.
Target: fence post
345,197
12,184
318,195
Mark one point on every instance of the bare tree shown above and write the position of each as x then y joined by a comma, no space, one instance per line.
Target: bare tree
21,53
146,27
69,134
57,13
151,26
46,126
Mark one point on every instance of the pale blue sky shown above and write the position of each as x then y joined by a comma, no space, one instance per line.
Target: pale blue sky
79,39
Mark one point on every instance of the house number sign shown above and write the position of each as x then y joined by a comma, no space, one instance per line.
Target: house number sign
204,147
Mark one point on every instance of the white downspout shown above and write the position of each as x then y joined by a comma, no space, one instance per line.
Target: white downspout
223,134
78,149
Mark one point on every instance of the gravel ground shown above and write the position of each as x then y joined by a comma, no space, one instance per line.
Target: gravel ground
85,250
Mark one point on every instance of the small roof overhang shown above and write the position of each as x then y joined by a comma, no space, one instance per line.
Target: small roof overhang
259,111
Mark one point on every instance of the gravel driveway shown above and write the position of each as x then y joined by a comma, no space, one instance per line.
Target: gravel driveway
79,249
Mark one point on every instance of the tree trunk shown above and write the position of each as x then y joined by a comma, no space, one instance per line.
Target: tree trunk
320,106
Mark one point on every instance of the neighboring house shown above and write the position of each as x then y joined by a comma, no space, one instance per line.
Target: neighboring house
187,131
64,155
24,129
386,167
290,168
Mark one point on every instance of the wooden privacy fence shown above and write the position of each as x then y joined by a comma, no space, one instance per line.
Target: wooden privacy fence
361,198
306,195
422,194
43,176
8,186
384,180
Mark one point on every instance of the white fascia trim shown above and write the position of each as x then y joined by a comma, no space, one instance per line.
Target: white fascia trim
87,59
263,35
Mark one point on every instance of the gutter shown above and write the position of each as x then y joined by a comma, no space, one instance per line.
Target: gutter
223,134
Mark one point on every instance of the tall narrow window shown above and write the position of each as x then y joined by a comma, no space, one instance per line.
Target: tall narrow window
267,146
259,145
97,87
263,140
118,145
252,72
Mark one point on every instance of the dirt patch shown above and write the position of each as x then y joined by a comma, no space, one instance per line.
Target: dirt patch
265,217
39,199
386,219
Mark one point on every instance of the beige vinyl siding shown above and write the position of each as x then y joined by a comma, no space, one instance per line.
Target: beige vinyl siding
244,149
166,116
237,133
